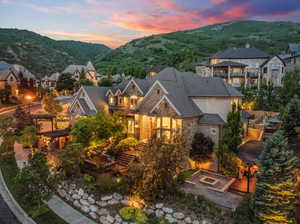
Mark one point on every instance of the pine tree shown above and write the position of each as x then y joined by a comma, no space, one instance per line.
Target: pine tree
232,137
274,198
291,117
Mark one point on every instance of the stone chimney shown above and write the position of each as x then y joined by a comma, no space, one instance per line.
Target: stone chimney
247,45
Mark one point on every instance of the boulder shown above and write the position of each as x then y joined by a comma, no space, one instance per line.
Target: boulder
188,220
178,215
196,222
168,210
125,202
118,218
76,197
117,196
85,209
80,192
170,218
149,211
103,220
103,212
69,198
101,203
84,202
62,192
76,204
72,186
159,213
93,215
113,202
93,208
159,205
91,200
110,219
85,196
106,198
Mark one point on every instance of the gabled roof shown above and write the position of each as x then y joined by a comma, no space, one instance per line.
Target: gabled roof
71,69
90,66
204,63
86,109
4,65
26,73
5,73
96,94
241,53
54,76
263,64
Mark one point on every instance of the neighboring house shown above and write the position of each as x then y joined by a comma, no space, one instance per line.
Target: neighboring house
293,58
164,104
16,77
49,82
88,71
239,66
155,70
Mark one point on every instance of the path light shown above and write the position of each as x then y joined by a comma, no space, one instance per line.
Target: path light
29,99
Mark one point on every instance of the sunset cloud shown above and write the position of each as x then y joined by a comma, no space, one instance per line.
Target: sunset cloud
116,22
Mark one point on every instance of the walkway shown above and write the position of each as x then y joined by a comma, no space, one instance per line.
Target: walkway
66,212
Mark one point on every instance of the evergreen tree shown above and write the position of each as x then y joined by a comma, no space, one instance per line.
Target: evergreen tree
65,82
274,198
202,147
291,117
232,137
22,119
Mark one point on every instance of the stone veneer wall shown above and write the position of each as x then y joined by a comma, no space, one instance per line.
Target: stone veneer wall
190,126
152,99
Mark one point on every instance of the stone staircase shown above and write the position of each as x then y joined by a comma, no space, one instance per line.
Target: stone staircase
123,162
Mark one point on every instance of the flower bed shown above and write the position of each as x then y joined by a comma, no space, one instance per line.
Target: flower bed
107,209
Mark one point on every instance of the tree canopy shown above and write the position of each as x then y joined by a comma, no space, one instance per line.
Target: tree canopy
65,82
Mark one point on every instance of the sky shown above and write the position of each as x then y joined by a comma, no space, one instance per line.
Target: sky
115,22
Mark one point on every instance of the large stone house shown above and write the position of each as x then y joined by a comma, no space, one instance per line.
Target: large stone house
163,104
249,66
49,82
16,77
293,58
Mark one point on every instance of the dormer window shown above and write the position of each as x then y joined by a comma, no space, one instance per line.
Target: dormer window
11,79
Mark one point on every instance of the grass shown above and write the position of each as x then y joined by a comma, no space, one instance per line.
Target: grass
9,169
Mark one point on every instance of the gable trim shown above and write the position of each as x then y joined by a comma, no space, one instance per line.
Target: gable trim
134,82
88,98
169,101
108,92
161,86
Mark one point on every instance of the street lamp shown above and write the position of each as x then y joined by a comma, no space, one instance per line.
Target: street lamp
29,98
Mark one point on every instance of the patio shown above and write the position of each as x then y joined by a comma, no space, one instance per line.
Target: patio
214,187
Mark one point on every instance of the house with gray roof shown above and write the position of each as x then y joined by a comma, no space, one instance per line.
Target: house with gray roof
248,65
292,59
164,104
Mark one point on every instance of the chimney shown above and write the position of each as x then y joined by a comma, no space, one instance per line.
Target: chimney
247,45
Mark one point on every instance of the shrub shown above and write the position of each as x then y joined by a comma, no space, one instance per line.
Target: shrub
243,214
88,178
38,211
107,184
127,213
133,214
202,147
184,175
127,143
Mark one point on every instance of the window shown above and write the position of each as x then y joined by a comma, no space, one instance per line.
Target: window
158,91
11,79
213,131
120,100
111,100
265,70
130,126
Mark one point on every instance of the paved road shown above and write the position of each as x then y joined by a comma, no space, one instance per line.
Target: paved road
6,216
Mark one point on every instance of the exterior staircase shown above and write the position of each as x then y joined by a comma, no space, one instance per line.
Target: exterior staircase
123,162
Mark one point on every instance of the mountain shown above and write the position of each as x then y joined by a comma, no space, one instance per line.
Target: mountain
184,48
42,55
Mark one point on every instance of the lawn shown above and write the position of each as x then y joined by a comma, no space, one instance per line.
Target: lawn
9,170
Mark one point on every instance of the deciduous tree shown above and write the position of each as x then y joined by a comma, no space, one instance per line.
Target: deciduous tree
28,136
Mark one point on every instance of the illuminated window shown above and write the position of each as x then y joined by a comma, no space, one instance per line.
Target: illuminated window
130,126
111,100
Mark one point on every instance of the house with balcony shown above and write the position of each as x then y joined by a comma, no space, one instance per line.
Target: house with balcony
243,66
164,104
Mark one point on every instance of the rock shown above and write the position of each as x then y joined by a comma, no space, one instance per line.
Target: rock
91,200
93,208
106,198
62,192
125,202
69,198
149,211
93,215
159,205
101,203
103,212
72,186
188,220
113,202
103,220
205,221
168,210
117,196
159,213
80,192
170,218
84,202
178,215
118,218
85,196
76,197
76,204
60,186
85,209
110,219
196,222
